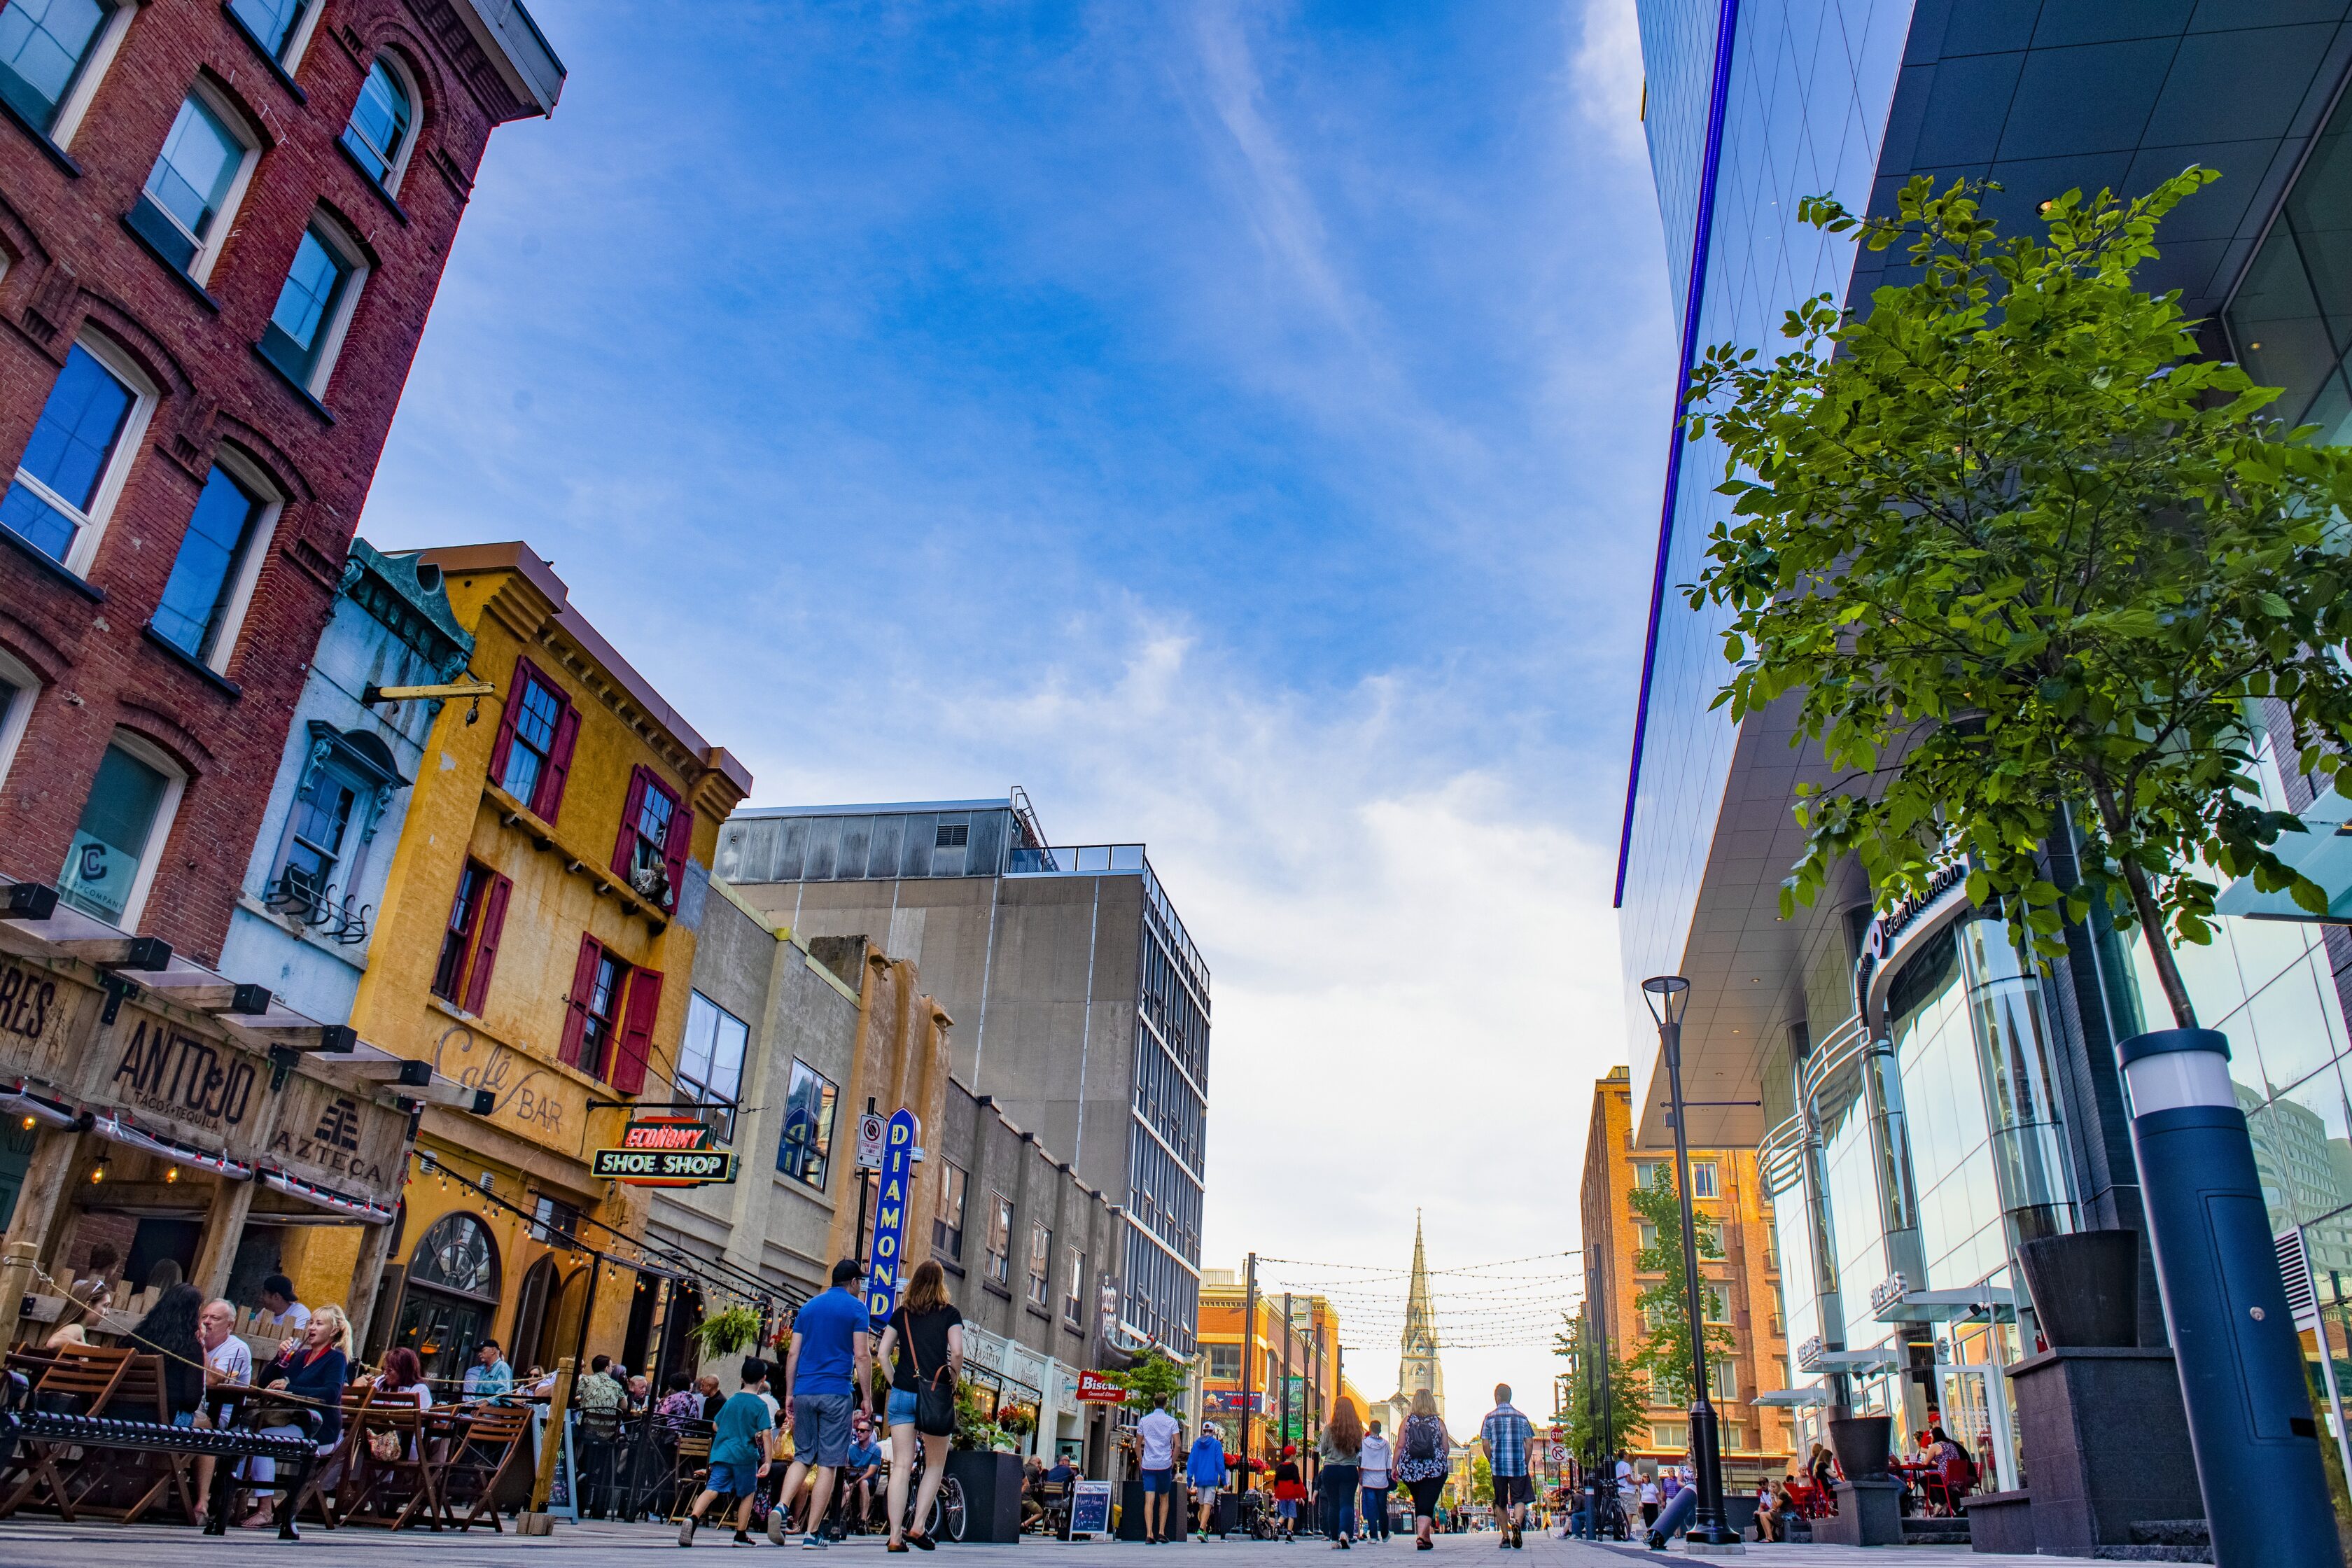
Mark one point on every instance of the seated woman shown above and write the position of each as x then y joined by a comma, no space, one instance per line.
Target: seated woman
311,1375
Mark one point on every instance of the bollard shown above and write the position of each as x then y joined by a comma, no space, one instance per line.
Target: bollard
2233,1335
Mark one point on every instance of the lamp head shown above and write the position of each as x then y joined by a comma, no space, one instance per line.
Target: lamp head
1667,996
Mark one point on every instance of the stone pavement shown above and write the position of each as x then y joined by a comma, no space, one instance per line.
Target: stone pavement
34,1542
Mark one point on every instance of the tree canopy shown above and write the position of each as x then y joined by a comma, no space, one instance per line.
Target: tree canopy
2025,560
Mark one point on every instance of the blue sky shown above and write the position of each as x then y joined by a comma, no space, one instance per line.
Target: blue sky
1240,425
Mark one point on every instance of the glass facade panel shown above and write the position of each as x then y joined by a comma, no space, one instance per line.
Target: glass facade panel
2291,321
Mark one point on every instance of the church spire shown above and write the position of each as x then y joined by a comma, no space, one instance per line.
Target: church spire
1418,1367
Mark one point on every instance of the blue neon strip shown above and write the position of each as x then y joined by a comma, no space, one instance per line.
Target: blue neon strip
1726,26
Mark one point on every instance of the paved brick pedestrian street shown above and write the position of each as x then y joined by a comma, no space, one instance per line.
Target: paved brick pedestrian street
40,1543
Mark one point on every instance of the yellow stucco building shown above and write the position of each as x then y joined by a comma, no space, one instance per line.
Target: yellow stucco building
536,942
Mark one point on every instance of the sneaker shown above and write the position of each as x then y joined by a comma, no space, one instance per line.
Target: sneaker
686,1531
776,1527
811,1542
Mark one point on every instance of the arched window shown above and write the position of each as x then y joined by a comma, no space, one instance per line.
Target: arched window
452,1295
377,135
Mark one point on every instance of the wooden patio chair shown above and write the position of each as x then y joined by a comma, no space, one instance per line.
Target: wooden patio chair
692,1458
478,1461
330,1474
140,1396
389,1493
79,1381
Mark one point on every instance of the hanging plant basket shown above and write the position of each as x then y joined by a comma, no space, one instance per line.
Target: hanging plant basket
730,1332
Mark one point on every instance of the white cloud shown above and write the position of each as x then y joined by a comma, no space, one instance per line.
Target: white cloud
1605,72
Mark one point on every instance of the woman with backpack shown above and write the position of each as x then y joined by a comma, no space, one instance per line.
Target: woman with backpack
1424,1452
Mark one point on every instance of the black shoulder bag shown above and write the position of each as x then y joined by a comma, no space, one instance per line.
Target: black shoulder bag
935,1405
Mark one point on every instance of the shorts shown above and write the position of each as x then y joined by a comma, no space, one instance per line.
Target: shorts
1510,1490
821,1428
900,1411
732,1480
1287,1506
1160,1481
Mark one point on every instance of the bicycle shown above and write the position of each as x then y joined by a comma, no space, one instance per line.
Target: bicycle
1257,1521
946,1522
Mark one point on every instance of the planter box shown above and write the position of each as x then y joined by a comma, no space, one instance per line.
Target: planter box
992,1494
2000,1521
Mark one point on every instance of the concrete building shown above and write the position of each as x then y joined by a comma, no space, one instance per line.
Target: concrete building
1743,1286
1923,1102
221,230
1029,1250
1082,1006
785,1041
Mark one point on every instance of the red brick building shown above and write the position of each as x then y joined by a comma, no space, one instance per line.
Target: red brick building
221,230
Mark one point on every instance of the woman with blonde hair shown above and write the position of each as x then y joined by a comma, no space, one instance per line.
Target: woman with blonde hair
927,1334
1341,1449
1424,1452
310,1373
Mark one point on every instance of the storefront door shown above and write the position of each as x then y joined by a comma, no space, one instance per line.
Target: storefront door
1975,1407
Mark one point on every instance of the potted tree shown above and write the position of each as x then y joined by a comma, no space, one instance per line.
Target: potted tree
2028,570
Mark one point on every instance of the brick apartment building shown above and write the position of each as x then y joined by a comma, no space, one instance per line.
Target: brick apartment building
222,226
1749,1385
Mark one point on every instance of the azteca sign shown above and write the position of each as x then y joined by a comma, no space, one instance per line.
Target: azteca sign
666,1152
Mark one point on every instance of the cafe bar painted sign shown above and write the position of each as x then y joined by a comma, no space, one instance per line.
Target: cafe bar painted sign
666,1152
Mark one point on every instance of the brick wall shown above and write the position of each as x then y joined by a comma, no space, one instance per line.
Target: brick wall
71,267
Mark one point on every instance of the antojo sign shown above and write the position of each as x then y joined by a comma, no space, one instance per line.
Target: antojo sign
1094,1388
665,1151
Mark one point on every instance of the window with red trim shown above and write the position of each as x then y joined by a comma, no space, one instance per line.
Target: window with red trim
469,943
655,834
532,755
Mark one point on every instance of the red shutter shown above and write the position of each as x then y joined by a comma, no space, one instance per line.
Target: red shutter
625,846
575,1007
681,843
486,954
637,1032
516,683
549,798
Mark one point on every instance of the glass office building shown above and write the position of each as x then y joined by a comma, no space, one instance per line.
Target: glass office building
1922,1101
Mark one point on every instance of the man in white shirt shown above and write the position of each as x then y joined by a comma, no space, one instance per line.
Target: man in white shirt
1373,1477
1156,1434
227,1359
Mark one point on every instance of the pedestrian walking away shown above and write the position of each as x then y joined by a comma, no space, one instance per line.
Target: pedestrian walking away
827,1374
1156,1434
739,1456
1373,1477
1508,1436
1424,1452
1288,1491
1204,1472
925,1336
1340,1452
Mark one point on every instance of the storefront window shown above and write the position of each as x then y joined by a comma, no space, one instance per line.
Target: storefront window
452,1295
103,864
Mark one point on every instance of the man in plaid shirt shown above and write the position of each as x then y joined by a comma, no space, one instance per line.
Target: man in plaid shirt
1506,1433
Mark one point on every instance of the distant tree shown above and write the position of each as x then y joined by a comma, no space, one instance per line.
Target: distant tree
1580,1417
2025,561
1482,1480
1153,1371
1663,1362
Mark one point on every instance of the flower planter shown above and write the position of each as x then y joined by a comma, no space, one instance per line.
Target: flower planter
2085,1288
1860,1443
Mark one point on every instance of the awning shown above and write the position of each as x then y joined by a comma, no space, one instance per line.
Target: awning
25,1100
118,1127
358,1207
1792,1398
1949,1306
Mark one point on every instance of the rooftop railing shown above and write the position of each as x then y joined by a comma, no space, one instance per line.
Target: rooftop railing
1096,859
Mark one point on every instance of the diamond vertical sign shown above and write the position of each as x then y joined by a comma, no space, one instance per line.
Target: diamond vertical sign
897,1188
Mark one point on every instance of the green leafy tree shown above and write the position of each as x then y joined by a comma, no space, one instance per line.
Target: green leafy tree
1664,1360
1482,1481
1153,1371
2021,559
1580,1417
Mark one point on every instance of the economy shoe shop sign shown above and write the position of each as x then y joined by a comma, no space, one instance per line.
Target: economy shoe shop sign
666,1152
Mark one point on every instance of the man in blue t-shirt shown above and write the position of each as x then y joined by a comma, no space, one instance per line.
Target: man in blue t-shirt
739,1455
828,1371
860,1473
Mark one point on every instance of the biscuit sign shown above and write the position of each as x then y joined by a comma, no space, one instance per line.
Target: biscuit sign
895,1189
666,1152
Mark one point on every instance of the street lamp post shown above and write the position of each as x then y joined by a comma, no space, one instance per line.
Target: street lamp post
1668,998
